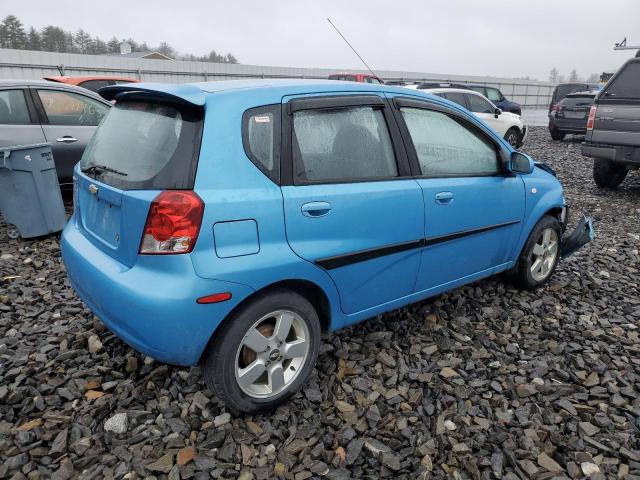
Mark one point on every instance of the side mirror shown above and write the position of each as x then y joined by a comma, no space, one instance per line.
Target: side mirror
497,111
520,163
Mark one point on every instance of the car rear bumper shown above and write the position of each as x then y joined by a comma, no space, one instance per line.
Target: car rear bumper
568,126
616,153
151,306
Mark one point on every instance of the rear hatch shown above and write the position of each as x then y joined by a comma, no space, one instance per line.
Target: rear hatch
575,107
142,147
617,117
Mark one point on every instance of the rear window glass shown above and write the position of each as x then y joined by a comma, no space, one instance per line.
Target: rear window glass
564,90
626,84
585,101
142,145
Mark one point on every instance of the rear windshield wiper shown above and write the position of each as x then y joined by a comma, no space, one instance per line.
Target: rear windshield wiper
99,169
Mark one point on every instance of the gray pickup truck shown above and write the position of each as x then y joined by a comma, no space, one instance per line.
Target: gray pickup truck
613,127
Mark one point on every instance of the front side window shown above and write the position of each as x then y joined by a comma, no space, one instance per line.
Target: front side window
493,94
478,104
342,144
67,108
13,108
261,138
447,147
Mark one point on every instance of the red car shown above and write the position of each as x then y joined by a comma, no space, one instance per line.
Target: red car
356,77
92,83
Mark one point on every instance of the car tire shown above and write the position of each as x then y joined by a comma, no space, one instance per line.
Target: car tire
607,174
543,245
513,137
228,358
557,134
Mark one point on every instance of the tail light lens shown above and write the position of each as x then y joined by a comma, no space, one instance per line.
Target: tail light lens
555,108
592,117
172,224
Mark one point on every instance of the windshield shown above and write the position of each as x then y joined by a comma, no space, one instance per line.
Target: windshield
145,145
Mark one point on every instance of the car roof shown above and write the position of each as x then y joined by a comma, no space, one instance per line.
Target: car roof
449,90
77,80
196,93
45,83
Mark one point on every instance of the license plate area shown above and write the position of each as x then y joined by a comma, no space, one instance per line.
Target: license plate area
574,114
100,218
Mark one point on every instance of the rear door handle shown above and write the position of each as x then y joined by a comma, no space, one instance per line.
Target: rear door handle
66,139
444,198
316,209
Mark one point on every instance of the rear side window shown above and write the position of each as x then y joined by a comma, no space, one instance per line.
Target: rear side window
447,147
261,139
348,78
13,108
456,97
146,146
339,145
626,84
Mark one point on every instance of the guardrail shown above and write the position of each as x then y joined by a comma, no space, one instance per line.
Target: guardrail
24,64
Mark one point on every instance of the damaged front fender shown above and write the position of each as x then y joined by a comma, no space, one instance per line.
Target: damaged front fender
581,235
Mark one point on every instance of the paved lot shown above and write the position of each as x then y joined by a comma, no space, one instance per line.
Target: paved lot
483,382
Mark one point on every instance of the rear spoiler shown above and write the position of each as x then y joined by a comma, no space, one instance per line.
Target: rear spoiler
179,93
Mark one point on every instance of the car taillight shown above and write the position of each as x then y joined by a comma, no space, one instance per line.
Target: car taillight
592,117
172,224
555,107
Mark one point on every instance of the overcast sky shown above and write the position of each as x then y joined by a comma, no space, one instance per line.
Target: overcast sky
507,38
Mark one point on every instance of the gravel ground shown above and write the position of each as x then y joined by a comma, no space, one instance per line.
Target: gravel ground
486,381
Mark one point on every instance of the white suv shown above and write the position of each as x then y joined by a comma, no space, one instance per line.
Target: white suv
508,125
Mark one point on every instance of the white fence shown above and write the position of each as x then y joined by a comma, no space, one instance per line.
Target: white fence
24,64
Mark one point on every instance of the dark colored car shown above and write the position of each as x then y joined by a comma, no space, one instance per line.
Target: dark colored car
570,115
356,77
613,127
492,93
37,111
564,89
93,83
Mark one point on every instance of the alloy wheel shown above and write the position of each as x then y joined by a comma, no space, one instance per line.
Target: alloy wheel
271,354
544,254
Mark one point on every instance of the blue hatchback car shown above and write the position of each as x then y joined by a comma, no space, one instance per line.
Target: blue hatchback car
230,223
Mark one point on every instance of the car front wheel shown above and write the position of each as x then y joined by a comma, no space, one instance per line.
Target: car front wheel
512,137
540,254
264,352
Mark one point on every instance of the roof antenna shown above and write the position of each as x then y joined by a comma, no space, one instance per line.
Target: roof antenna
351,47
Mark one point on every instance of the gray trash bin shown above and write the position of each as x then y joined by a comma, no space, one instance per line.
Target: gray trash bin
30,195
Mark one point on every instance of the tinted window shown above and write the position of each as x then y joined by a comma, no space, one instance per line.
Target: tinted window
576,101
13,107
94,85
120,82
342,144
374,80
66,108
261,137
456,97
493,94
348,78
478,104
564,90
480,90
446,147
626,84
156,145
